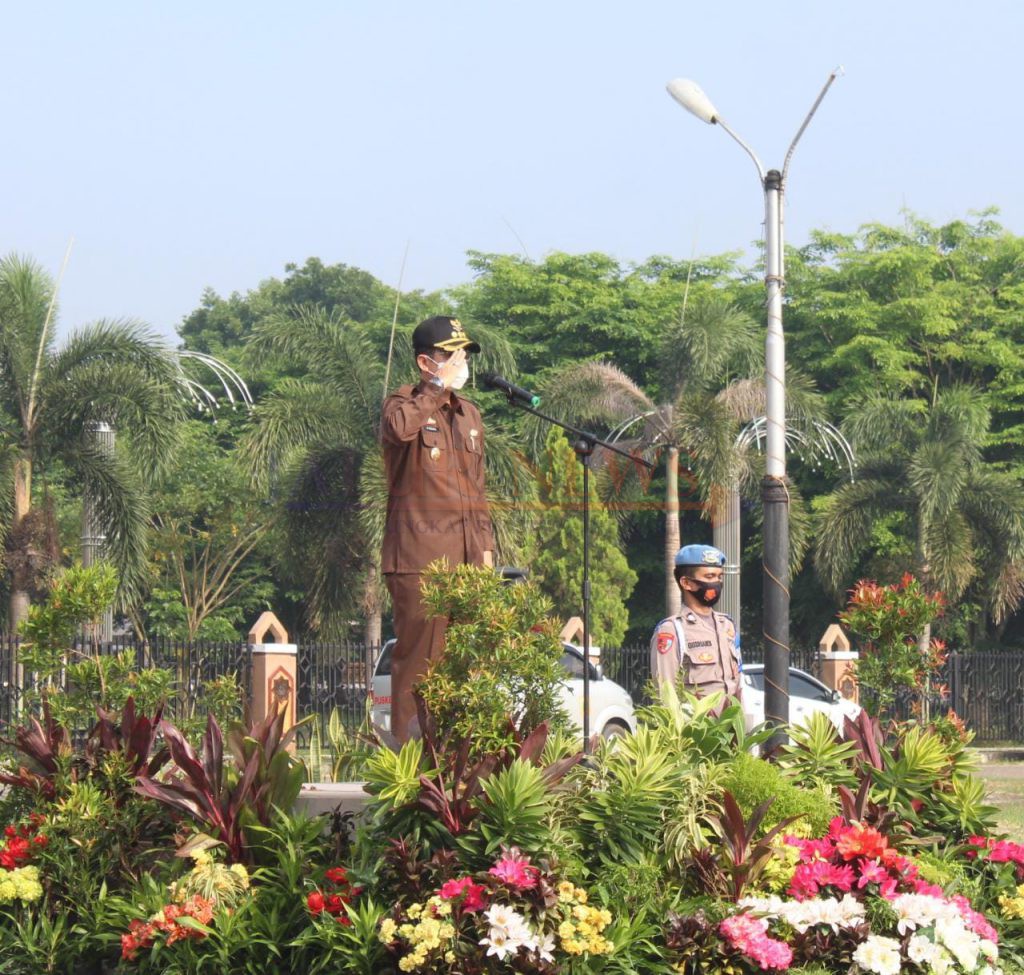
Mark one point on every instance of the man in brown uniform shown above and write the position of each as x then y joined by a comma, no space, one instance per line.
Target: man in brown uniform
434,462
700,644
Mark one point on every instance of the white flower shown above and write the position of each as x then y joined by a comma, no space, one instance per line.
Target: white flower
499,915
942,964
768,907
499,944
917,910
879,955
922,951
851,911
545,948
962,944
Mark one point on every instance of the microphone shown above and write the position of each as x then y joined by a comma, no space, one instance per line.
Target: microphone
493,381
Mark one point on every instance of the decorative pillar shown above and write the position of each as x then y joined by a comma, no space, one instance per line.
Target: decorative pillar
839,662
274,670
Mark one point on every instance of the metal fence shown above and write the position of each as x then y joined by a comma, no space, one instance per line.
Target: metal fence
334,676
985,688
193,666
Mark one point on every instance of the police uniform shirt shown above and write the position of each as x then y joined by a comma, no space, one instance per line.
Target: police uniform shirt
708,658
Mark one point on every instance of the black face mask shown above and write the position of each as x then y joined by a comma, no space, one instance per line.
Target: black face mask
707,592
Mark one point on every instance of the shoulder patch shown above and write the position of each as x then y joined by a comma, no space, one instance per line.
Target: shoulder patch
665,642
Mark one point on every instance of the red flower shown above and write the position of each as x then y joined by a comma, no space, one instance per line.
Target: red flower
337,875
315,902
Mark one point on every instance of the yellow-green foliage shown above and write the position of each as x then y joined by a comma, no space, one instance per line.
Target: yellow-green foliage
752,781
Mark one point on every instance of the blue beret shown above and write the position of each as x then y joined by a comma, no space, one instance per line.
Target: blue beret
700,555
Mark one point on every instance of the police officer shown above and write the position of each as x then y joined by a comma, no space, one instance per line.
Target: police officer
699,645
433,442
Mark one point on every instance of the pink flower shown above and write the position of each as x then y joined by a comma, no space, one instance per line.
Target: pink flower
514,870
932,890
811,850
749,935
871,872
975,921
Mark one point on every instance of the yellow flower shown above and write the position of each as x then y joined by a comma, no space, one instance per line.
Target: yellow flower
415,910
581,895
387,930
566,891
408,963
449,957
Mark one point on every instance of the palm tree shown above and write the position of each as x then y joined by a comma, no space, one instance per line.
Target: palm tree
315,441
51,401
706,358
923,460
698,352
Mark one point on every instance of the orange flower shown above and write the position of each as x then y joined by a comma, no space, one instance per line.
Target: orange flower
862,841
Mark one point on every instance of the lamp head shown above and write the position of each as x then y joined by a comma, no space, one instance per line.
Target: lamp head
691,96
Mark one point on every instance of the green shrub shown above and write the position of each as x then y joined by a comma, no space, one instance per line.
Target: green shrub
753,780
501,662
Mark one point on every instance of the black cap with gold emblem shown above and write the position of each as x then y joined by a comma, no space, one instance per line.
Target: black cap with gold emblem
442,332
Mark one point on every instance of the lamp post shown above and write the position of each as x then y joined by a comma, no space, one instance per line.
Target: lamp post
774,491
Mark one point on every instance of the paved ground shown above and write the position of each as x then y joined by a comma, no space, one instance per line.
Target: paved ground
1002,771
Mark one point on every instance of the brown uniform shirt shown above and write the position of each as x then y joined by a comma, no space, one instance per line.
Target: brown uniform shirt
434,463
709,659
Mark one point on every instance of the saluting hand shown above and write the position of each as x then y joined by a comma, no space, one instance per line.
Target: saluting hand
448,369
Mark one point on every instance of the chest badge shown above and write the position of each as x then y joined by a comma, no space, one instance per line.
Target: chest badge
707,658
435,452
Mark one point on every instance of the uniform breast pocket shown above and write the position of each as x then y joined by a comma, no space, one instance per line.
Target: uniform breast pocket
432,446
701,667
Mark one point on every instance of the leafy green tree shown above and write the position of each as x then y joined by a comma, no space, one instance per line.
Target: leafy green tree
557,561
209,563
922,474
911,310
112,372
582,306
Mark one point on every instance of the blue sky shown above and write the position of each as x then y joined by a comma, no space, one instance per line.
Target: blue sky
194,144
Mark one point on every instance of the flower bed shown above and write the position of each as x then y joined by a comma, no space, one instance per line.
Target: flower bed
674,850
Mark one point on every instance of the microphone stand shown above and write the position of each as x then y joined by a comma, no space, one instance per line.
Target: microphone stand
584,447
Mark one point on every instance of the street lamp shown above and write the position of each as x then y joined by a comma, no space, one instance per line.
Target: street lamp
774,491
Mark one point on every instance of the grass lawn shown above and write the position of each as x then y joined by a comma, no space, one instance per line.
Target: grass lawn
1005,782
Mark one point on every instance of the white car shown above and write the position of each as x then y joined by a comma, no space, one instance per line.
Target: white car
807,694
611,707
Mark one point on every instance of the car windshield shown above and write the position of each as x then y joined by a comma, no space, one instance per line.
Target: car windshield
572,663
